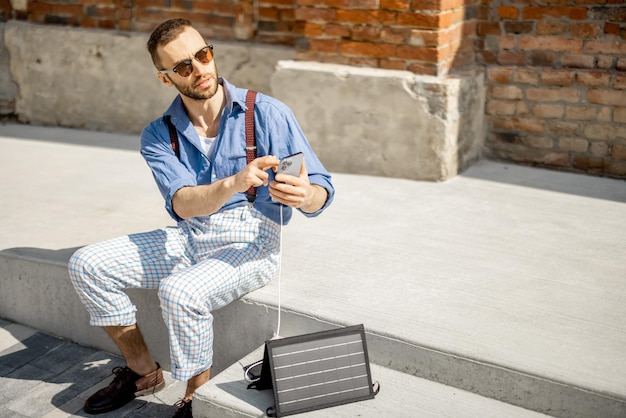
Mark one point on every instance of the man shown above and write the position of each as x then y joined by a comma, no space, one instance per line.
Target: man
222,247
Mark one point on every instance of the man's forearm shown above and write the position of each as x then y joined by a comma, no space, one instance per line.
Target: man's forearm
202,200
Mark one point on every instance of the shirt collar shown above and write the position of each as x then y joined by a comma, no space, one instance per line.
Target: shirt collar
233,96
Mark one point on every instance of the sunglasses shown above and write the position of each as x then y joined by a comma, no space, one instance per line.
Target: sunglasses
185,67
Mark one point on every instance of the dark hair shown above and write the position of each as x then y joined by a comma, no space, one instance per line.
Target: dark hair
165,33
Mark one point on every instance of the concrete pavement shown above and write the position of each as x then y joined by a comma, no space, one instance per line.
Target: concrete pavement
501,273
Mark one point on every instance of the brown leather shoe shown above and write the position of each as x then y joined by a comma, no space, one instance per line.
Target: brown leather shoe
125,387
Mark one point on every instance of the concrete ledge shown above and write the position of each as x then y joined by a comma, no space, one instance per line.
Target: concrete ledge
383,122
401,395
35,291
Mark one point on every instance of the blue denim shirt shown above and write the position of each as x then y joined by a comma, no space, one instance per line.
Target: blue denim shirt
277,133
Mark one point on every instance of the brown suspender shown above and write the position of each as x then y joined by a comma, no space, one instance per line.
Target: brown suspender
250,138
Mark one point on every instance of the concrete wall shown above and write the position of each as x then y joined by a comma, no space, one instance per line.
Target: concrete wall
8,88
384,122
364,121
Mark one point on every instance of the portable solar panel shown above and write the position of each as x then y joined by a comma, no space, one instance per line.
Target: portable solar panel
318,370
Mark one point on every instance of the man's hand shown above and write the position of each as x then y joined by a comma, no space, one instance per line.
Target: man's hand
255,174
206,199
298,192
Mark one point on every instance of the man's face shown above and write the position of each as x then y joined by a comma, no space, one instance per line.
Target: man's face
201,84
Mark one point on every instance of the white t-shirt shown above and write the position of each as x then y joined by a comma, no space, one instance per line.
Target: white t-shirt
207,144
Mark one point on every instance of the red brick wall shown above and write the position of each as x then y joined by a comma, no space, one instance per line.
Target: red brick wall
557,83
556,69
423,36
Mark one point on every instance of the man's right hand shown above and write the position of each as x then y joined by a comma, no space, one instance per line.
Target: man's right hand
255,174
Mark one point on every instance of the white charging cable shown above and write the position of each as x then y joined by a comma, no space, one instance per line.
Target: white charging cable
280,271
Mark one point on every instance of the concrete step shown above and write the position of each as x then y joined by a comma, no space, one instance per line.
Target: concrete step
507,281
401,395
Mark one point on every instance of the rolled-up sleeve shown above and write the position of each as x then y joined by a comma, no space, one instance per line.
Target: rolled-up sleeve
287,132
168,172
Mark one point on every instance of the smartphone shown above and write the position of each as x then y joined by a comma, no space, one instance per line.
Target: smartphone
291,165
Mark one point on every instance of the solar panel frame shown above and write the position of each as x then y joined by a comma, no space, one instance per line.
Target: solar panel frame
319,370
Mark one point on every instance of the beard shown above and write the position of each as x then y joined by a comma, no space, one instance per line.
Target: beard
194,93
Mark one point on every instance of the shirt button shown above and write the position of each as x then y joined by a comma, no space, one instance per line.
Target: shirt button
214,176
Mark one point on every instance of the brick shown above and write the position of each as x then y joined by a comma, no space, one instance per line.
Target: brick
548,111
508,12
616,168
366,49
501,107
423,68
522,109
312,30
603,132
606,62
311,14
605,114
519,27
499,74
365,17
620,82
365,33
392,64
553,95
581,112
578,61
585,163
508,92
618,152
488,28
544,59
550,27
585,30
563,128
403,5
606,47
599,149
549,43
573,144
536,141
511,58
612,29
608,13
540,12
336,30
439,55
556,159
606,97
620,114
526,76
522,124
427,37
557,77
394,35
507,42
419,20
323,45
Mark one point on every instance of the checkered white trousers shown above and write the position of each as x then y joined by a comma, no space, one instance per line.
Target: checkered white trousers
200,265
